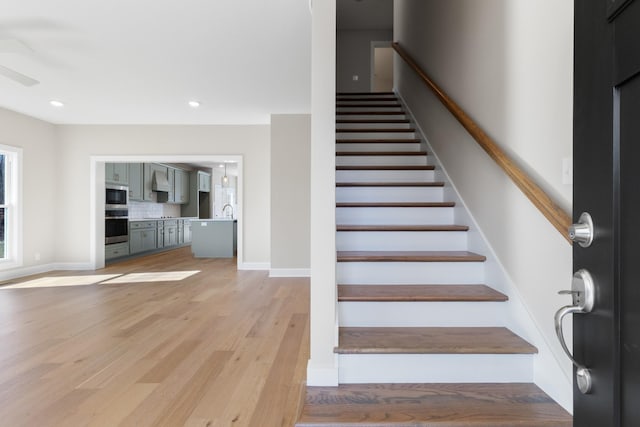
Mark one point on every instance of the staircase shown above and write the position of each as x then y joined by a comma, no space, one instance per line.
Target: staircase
422,338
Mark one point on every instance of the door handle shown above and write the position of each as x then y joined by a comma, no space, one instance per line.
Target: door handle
583,295
582,232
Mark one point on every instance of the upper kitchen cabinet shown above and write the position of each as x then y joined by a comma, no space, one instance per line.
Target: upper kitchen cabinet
116,173
204,182
181,185
136,174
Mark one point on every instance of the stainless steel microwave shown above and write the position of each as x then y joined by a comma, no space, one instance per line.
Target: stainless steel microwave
117,196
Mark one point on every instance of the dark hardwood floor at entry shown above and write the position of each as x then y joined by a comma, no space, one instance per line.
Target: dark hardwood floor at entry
219,348
409,256
425,340
429,405
431,293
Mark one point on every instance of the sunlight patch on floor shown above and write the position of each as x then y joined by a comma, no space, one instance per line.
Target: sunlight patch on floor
59,281
163,276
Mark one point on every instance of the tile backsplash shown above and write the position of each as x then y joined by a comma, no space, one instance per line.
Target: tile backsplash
139,210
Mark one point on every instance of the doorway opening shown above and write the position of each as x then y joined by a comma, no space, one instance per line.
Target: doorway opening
381,67
97,199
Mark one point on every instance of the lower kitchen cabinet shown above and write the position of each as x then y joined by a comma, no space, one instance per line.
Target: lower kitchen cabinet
116,250
142,236
170,232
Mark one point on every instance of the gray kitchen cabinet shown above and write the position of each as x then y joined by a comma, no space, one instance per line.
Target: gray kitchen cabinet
136,175
116,250
180,232
186,230
170,232
116,173
142,236
181,185
160,234
204,182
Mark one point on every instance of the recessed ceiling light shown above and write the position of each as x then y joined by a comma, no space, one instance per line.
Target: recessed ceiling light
220,166
57,104
194,104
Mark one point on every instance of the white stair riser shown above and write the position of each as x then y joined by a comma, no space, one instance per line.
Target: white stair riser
416,314
397,116
389,194
375,135
401,241
408,273
385,176
375,100
366,109
380,160
434,368
381,146
394,216
366,126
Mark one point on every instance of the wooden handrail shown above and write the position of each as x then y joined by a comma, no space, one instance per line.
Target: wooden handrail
556,215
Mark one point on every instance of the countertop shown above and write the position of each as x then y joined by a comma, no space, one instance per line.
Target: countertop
161,219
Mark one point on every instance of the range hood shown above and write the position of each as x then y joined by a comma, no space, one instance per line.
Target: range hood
160,182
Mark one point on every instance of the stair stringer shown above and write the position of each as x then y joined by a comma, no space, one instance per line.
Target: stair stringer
551,374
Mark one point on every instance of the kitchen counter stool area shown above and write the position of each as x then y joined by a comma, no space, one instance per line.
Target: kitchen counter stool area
150,235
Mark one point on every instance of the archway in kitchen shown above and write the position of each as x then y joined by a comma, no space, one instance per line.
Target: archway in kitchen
97,175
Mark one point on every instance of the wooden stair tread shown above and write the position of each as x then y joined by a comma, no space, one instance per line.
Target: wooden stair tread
395,204
390,184
426,293
370,113
431,405
371,105
381,153
367,121
378,141
364,93
386,168
409,256
376,130
431,340
365,98
451,227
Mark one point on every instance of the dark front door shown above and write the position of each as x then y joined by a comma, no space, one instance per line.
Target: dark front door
607,185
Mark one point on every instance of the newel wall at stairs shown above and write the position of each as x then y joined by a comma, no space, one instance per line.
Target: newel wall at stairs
515,80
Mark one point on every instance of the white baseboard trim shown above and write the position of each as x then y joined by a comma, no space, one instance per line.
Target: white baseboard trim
290,272
254,266
322,376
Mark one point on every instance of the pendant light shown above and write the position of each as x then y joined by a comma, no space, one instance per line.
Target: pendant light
225,178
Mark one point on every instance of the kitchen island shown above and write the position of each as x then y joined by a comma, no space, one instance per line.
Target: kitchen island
214,238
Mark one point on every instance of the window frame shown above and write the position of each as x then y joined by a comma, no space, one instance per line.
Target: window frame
13,207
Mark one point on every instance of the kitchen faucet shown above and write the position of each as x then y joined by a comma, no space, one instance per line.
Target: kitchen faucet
228,205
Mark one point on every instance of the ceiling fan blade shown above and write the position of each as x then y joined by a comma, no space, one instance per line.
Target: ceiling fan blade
17,77
14,46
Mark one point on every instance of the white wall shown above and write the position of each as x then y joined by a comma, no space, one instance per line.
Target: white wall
509,66
290,194
322,368
78,143
354,58
40,171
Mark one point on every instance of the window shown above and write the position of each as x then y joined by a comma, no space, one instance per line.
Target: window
10,255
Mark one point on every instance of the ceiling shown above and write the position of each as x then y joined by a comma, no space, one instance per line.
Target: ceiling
364,14
140,62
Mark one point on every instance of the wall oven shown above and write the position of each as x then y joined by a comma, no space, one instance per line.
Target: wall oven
116,215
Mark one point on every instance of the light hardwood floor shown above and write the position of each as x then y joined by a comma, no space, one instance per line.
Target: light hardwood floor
219,348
